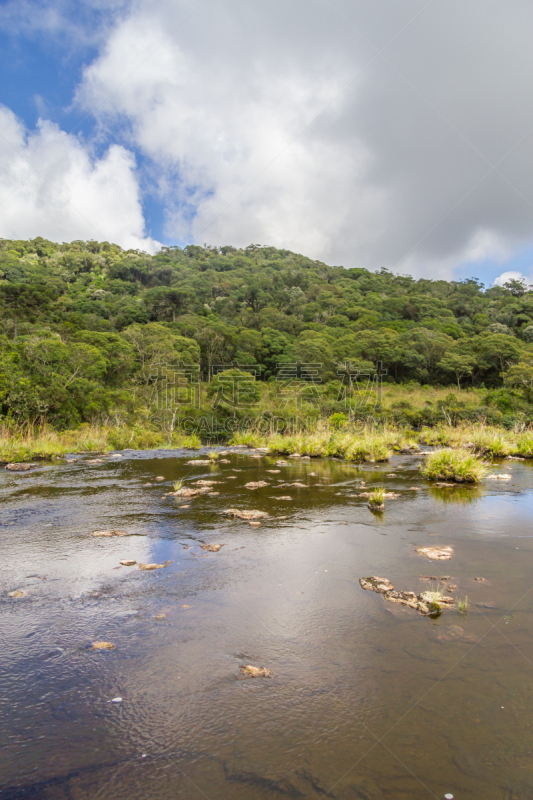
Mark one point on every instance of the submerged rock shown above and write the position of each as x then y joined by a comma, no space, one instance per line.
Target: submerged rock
127,562
247,515
206,483
17,466
255,485
154,566
111,532
256,672
16,593
186,491
456,634
435,553
160,616
283,497
211,548
198,463
102,646
145,485
425,603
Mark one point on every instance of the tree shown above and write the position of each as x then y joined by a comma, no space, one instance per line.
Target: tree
461,364
521,376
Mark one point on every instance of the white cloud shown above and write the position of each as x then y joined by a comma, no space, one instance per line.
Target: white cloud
512,275
366,134
254,137
73,194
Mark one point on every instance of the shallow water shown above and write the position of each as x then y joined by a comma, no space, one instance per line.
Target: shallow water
369,700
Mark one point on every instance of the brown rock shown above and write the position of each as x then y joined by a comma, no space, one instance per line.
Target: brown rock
111,532
212,548
103,646
153,566
425,603
256,672
128,562
254,524
16,593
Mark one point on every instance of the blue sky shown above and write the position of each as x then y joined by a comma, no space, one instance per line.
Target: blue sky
178,122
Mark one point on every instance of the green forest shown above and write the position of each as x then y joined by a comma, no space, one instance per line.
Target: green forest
85,324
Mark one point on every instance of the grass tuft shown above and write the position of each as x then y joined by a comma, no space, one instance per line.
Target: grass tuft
376,499
453,465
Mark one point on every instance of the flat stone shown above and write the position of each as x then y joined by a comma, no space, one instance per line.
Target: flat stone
255,485
16,593
211,548
128,562
147,567
435,553
103,646
16,466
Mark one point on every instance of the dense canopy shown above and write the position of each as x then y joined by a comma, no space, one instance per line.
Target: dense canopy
83,324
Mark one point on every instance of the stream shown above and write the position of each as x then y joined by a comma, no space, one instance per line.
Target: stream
368,700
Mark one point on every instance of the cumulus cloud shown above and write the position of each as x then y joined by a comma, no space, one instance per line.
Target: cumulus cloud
72,194
376,134
395,133
512,275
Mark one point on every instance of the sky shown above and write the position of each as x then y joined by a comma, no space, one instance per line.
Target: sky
391,133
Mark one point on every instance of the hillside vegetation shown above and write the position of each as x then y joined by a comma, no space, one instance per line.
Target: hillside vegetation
84,325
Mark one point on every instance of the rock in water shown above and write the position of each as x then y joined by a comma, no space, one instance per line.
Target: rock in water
148,567
256,672
111,532
426,602
255,485
103,646
435,553
212,548
18,467
128,562
247,515
16,593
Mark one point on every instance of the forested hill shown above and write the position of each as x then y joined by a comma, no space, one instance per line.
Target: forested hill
86,318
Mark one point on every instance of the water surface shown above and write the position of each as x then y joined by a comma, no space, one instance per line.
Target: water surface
368,700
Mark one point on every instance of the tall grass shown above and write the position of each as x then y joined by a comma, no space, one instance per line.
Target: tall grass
453,465
366,445
29,442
